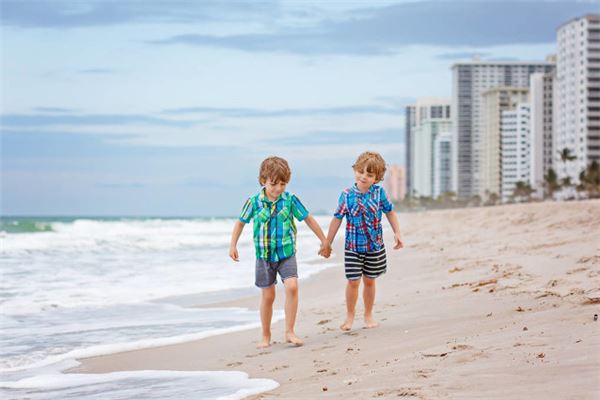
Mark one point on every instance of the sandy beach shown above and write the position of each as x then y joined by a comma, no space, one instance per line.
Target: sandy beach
484,303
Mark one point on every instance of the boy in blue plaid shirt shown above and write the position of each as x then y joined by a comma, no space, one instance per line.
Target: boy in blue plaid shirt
273,211
364,257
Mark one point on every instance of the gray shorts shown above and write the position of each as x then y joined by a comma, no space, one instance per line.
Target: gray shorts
266,271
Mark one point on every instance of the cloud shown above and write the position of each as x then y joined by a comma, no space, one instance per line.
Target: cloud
36,120
381,136
461,55
292,112
384,30
65,14
97,71
54,110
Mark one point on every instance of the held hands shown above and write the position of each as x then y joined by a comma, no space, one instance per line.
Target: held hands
325,249
398,242
233,253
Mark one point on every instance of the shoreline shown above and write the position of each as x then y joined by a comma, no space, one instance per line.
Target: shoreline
493,302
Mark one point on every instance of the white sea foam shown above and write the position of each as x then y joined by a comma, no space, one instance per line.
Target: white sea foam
218,385
93,287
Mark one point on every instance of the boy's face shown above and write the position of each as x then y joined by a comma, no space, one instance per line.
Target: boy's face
364,179
274,188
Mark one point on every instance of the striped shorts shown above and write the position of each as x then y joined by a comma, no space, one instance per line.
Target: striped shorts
370,265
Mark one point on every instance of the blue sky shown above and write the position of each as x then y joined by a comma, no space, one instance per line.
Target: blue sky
168,107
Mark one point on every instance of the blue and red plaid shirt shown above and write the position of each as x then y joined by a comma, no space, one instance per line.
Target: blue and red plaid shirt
363,212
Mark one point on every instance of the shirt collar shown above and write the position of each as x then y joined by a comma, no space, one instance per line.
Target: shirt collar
356,190
263,196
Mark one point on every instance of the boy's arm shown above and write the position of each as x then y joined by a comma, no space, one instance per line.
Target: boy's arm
312,223
393,220
334,225
314,226
238,227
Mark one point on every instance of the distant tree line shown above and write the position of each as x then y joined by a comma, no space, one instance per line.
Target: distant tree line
553,188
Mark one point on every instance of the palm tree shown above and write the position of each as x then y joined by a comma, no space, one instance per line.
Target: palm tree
551,183
523,190
565,155
589,180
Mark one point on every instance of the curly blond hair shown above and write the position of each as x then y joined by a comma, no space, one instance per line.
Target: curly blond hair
372,162
274,168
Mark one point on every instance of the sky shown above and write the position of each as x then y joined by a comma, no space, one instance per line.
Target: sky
167,108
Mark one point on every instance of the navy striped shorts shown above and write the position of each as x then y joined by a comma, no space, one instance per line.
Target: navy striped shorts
370,265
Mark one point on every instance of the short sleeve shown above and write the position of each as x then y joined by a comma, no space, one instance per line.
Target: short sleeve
247,211
298,209
384,204
342,208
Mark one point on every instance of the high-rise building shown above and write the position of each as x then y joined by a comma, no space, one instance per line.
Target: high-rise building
410,124
442,163
577,94
515,148
493,102
542,114
432,117
469,81
395,182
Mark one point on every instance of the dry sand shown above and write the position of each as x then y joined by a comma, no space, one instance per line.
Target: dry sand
482,303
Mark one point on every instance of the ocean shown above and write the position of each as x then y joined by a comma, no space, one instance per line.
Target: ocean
79,287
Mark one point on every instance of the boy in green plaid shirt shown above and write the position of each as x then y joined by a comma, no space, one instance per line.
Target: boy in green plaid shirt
273,211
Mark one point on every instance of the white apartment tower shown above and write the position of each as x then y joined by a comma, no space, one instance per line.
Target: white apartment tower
515,148
469,81
542,116
493,103
410,125
442,163
432,117
577,94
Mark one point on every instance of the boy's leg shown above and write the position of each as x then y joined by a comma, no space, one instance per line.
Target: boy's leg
351,298
369,299
291,309
265,279
288,270
266,313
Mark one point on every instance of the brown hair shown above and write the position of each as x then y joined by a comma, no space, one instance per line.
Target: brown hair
274,168
372,162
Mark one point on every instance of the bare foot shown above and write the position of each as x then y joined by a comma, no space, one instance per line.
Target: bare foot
264,343
370,323
293,339
347,325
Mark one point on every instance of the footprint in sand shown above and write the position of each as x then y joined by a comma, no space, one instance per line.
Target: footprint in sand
424,373
235,364
262,353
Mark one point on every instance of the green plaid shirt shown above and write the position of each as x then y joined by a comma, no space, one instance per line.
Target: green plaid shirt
274,227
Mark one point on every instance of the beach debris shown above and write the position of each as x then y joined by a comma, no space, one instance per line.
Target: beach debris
595,317
520,309
525,328
435,355
455,269
541,355
578,341
592,300
552,283
324,388
350,381
323,321
487,282
321,370
548,293
489,315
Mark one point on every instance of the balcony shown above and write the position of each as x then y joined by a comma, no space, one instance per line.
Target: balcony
593,124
